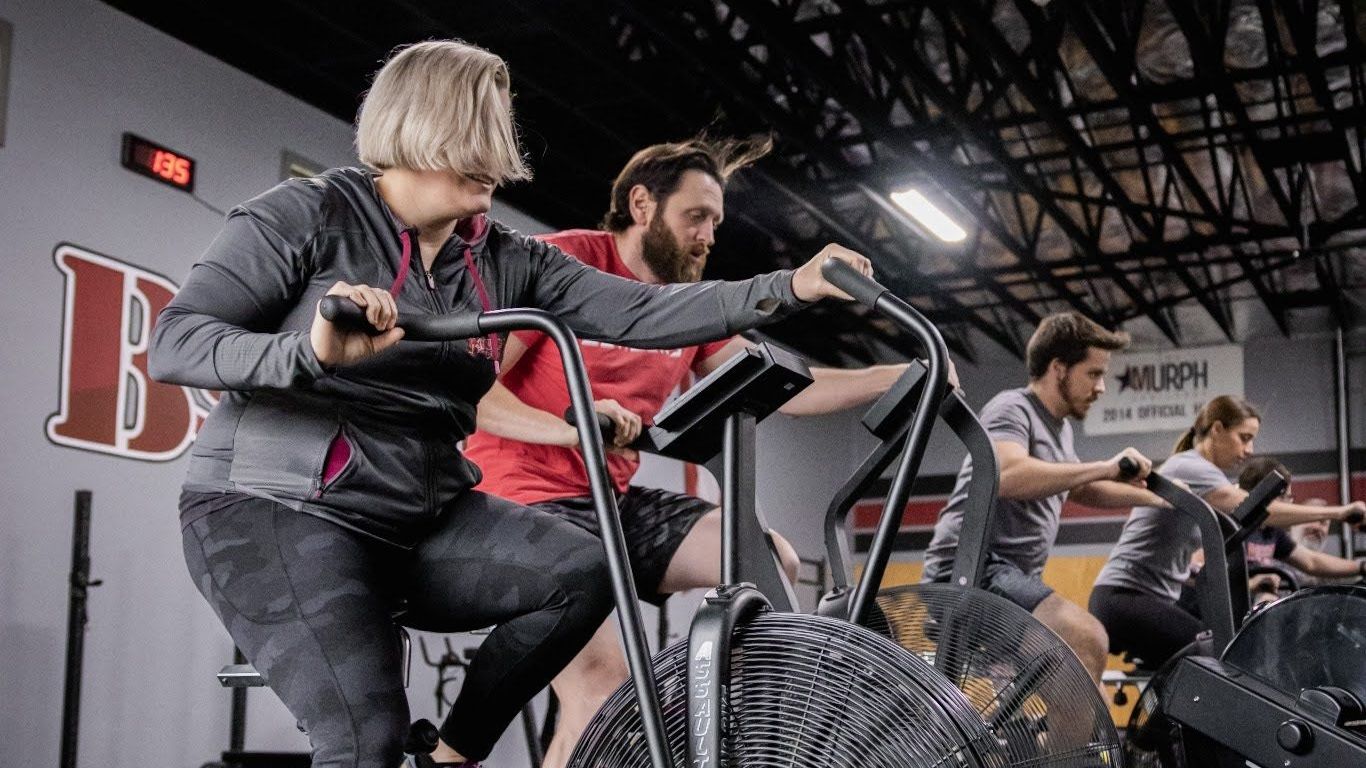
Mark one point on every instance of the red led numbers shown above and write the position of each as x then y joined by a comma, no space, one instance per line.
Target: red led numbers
171,167
157,162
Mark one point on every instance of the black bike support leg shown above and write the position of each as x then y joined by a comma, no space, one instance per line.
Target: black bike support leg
75,628
748,555
609,521
709,667
237,726
737,489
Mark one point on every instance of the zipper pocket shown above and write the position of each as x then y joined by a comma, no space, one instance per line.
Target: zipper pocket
340,457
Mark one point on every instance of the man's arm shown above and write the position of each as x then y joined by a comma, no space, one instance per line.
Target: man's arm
831,390
839,389
1112,494
504,414
1025,477
1283,514
1323,564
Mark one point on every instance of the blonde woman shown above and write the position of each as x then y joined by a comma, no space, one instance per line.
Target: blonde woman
1136,593
326,490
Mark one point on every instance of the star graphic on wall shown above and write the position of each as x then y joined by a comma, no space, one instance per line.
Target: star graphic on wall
1125,379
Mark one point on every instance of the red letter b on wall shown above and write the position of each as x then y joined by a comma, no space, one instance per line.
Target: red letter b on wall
108,402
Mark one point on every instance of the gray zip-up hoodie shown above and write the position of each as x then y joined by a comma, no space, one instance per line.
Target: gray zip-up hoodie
240,324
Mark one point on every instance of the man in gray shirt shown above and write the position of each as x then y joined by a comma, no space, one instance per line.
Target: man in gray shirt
1067,358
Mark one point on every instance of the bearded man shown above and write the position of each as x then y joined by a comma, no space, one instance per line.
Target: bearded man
666,206
1067,358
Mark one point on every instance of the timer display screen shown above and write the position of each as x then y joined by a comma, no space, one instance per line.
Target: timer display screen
158,162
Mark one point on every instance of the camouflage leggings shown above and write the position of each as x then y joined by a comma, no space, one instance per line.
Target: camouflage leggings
310,602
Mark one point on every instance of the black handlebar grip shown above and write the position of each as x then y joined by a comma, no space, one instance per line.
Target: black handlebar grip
345,314
606,427
349,316
1128,468
442,327
864,290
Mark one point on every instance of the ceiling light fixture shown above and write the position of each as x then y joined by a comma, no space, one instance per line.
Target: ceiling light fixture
933,219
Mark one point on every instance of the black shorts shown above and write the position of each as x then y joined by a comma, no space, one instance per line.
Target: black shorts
655,523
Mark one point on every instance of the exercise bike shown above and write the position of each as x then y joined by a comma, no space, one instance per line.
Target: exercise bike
1031,691
1017,674
1285,687
753,686
755,683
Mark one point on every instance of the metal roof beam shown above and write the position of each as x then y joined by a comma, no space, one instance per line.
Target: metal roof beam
1207,55
1304,31
792,130
817,65
930,84
978,24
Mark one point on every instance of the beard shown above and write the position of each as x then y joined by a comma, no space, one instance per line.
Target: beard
667,258
1078,403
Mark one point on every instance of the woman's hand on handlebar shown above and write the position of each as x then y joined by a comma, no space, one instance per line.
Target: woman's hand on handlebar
809,285
1354,513
335,346
627,424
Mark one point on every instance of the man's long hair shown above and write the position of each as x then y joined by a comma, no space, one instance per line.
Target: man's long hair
660,168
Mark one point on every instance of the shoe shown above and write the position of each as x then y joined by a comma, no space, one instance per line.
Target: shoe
422,739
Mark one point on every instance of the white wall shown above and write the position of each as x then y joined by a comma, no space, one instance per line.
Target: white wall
82,74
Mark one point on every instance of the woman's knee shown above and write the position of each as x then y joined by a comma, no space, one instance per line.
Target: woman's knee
350,739
585,581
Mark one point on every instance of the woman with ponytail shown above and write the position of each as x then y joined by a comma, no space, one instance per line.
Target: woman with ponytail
1136,593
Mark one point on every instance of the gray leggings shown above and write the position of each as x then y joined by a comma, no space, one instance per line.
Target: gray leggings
310,603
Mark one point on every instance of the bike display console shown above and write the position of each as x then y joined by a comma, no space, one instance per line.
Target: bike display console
756,383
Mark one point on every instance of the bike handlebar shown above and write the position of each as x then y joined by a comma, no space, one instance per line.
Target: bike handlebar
348,315
864,290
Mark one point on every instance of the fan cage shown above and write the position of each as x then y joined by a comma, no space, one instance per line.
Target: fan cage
1028,687
806,691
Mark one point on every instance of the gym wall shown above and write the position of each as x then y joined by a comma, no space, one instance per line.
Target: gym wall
73,221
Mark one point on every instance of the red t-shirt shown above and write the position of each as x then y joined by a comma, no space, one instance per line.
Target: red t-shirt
640,379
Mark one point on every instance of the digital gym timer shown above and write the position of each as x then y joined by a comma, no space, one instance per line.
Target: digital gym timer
157,162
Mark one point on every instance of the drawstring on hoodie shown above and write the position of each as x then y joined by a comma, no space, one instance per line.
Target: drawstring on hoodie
485,346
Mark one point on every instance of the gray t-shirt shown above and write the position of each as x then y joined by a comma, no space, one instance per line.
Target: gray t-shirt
1154,550
1024,531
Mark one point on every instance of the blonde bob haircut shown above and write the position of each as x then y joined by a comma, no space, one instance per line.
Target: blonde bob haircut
441,105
